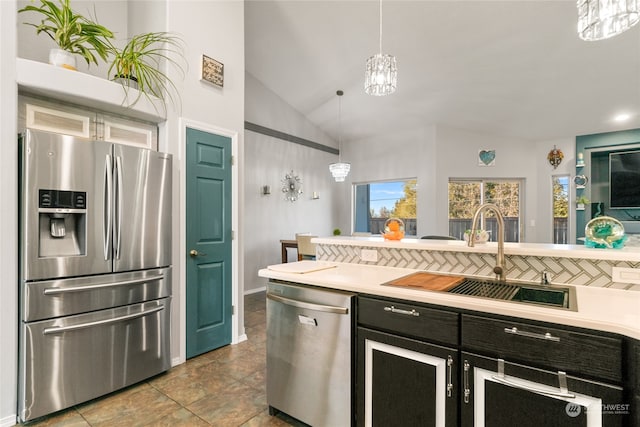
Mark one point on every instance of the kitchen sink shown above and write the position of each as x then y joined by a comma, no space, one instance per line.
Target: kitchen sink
543,295
553,297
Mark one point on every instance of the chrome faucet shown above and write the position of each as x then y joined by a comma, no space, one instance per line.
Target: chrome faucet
500,269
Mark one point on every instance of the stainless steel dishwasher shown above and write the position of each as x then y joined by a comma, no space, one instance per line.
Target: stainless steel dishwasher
309,359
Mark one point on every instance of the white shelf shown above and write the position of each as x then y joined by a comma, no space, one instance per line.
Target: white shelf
84,89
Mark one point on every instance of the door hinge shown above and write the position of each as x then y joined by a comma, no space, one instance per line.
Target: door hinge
233,235
233,310
233,160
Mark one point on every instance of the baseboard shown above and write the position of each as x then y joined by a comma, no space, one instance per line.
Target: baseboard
241,338
8,421
177,361
255,291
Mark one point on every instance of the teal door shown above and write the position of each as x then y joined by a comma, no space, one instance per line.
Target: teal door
208,218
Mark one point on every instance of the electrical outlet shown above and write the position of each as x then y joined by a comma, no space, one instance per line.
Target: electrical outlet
625,275
369,255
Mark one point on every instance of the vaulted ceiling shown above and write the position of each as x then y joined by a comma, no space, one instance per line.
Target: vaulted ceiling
513,68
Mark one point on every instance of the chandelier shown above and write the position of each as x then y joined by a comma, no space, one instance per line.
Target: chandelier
602,19
339,170
381,75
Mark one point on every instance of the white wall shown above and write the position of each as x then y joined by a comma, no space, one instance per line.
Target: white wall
458,158
402,155
111,14
216,29
270,218
8,215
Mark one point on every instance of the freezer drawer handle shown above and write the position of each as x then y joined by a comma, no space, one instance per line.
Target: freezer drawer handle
401,311
55,291
60,329
547,336
308,305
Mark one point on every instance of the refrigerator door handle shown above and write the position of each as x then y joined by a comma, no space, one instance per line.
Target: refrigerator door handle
108,208
119,207
56,291
60,329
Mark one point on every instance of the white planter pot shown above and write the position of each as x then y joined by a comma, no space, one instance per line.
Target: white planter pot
128,82
62,58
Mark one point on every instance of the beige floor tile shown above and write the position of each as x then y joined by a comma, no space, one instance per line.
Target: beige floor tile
133,407
66,418
231,407
180,418
263,419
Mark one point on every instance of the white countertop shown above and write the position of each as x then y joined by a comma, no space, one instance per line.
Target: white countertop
628,253
609,310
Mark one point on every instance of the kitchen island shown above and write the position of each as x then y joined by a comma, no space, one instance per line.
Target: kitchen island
479,353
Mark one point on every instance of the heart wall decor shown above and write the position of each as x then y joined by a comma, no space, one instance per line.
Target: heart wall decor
486,158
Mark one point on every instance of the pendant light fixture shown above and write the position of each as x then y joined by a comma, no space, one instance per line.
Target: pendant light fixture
381,75
602,19
339,170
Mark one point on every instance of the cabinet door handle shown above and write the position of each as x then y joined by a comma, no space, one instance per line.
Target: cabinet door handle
546,337
401,311
449,376
467,390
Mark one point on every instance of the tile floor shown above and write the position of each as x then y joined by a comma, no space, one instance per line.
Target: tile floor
225,387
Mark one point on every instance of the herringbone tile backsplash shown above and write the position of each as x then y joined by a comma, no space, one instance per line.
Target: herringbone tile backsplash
575,271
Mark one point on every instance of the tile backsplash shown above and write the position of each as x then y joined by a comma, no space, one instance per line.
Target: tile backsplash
575,271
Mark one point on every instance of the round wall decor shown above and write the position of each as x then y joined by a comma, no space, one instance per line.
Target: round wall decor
555,157
291,187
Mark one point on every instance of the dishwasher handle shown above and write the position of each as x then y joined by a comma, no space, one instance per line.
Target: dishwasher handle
308,305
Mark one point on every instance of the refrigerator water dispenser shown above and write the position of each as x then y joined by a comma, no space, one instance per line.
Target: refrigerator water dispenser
62,217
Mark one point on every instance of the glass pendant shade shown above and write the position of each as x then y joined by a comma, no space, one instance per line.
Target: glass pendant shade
339,170
601,19
381,76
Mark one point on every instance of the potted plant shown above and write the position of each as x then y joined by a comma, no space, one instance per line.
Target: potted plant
581,201
72,32
140,62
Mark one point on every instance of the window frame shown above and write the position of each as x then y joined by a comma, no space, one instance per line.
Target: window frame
355,203
483,181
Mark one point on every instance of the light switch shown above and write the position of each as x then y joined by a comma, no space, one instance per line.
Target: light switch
625,275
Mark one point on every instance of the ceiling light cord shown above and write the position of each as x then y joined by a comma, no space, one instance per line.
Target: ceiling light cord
339,93
380,11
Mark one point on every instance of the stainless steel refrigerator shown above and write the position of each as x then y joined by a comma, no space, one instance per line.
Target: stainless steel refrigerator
95,265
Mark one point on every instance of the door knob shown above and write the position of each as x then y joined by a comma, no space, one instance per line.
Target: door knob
194,253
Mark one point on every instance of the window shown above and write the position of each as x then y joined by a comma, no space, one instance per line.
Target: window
560,189
466,196
375,202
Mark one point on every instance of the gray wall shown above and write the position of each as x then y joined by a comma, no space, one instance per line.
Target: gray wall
436,153
270,218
